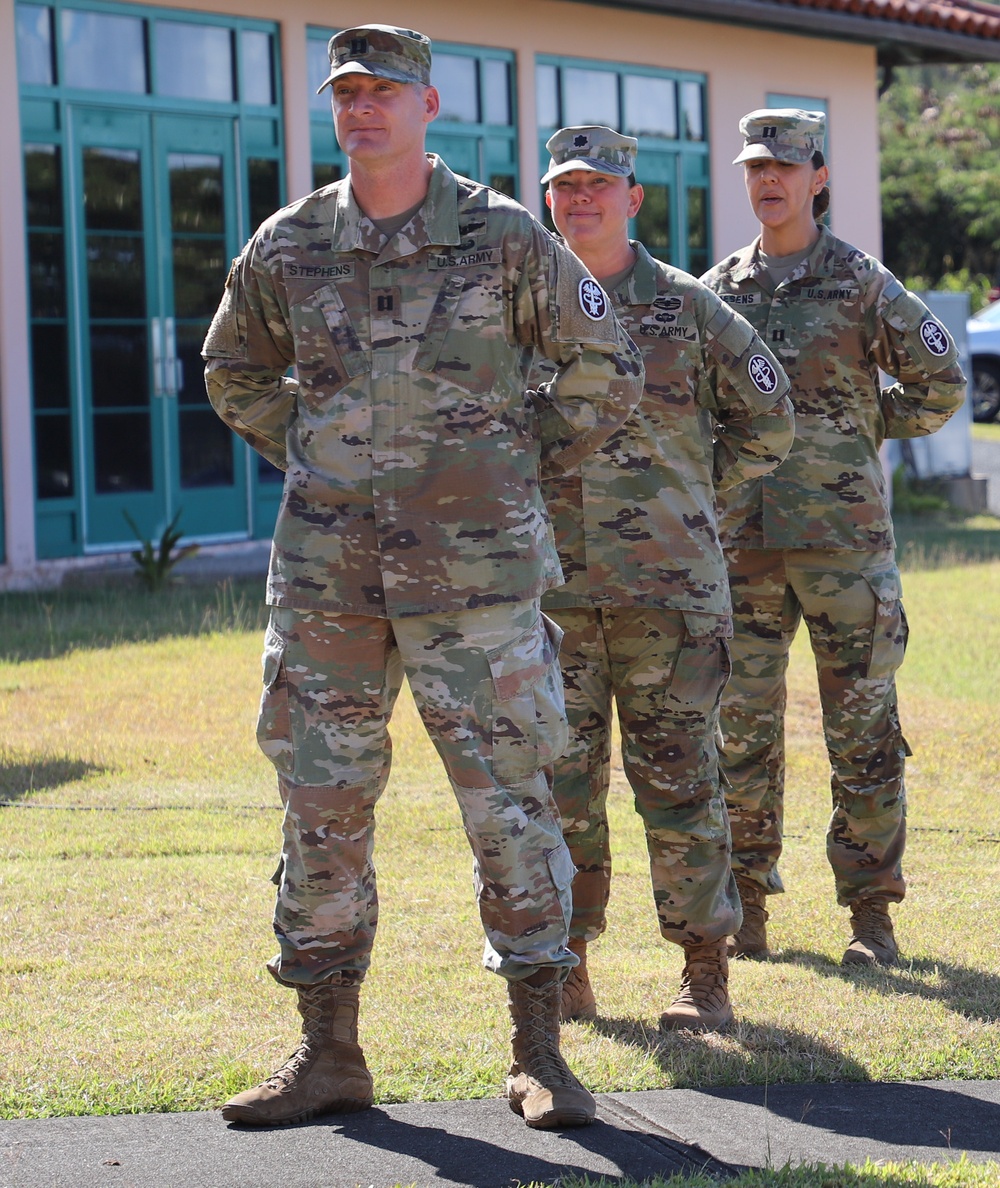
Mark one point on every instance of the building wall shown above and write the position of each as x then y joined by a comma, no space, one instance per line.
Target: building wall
742,66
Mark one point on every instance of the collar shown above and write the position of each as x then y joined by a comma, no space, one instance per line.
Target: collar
435,223
641,282
819,263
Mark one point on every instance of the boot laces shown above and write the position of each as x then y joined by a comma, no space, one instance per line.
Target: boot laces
283,1078
547,1065
870,921
703,981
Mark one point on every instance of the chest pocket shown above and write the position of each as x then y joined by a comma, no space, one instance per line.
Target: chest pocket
328,349
463,331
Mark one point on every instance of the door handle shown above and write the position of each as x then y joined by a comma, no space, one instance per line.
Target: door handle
171,368
156,335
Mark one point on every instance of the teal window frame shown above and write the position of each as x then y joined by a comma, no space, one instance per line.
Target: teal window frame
680,163
490,148
260,136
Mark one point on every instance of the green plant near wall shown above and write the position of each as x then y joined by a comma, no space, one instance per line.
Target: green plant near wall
154,563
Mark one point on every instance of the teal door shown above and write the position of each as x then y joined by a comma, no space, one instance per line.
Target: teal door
154,227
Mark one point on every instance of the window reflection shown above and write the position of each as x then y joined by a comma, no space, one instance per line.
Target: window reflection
697,229
103,52
547,95
112,197
496,91
691,108
650,106
34,45
317,68
652,223
122,453
194,61
455,78
43,185
265,189
53,456
257,74
590,97
195,192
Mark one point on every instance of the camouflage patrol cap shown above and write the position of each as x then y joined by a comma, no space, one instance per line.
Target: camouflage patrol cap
782,134
592,146
401,55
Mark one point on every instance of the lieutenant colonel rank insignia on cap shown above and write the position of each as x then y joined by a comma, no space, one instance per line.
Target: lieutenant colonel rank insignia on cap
592,299
765,378
934,338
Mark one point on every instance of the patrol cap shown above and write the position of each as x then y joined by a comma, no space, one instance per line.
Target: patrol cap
591,146
385,51
782,134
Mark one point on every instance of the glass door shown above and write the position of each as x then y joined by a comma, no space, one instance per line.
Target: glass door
154,226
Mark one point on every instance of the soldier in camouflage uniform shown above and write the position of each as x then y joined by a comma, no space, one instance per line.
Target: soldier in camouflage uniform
646,609
814,539
412,539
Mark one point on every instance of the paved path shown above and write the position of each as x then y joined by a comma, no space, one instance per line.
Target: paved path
481,1144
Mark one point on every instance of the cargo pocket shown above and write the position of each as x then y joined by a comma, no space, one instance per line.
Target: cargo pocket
529,727
701,668
889,628
563,872
273,723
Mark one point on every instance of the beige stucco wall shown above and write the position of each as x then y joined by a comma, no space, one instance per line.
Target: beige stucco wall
741,66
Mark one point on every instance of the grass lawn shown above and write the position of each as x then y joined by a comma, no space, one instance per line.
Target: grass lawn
135,894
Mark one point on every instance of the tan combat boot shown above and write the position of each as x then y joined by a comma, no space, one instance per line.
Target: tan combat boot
540,1086
873,943
578,1000
751,940
326,1074
702,1004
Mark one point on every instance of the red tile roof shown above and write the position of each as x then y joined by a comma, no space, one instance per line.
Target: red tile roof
973,18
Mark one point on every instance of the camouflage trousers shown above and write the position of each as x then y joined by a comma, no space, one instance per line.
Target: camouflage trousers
486,684
665,669
851,603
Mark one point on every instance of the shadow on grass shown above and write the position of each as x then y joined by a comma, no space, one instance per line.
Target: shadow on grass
18,780
42,626
973,993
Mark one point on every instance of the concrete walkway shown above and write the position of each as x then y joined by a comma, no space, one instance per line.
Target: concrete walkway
481,1144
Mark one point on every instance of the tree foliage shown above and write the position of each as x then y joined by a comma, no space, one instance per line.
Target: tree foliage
940,130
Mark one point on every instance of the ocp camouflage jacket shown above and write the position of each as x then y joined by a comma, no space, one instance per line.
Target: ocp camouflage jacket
412,453
833,323
636,526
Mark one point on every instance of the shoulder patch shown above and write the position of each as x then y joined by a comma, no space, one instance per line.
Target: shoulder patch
934,338
593,300
762,373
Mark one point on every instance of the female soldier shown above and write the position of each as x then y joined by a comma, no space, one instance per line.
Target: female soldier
814,538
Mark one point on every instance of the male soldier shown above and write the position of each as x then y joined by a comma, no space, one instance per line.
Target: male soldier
412,538
646,609
814,539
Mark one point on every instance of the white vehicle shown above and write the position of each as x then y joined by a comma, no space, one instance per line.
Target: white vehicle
983,330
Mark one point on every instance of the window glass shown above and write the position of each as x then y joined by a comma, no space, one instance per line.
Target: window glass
590,97
317,68
53,457
265,188
455,78
49,366
46,274
691,111
697,229
87,41
547,96
111,189
43,185
123,456
325,174
34,45
496,91
257,77
194,61
652,223
650,106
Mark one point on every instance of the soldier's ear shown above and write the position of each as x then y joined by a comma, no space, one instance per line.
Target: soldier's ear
635,197
432,103
548,197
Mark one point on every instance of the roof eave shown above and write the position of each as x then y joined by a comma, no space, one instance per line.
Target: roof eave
896,42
